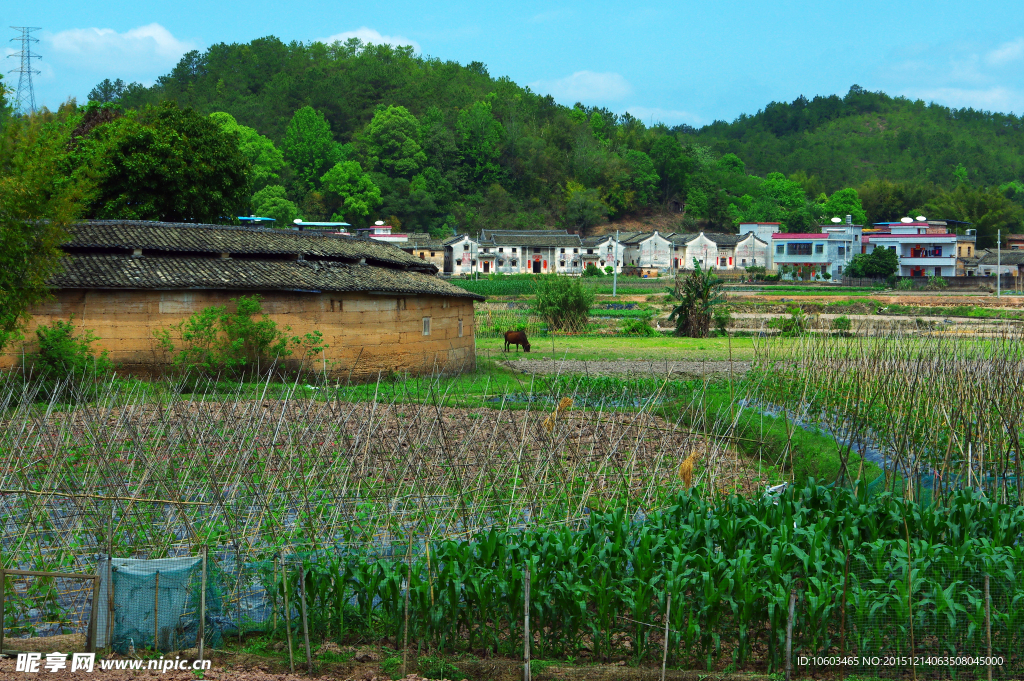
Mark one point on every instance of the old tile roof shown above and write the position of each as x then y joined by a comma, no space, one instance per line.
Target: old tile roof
722,239
1007,257
532,241
168,237
179,256
486,234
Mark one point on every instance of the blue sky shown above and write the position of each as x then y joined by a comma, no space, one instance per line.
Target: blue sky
677,62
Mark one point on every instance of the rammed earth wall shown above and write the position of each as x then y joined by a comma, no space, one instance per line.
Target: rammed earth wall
368,334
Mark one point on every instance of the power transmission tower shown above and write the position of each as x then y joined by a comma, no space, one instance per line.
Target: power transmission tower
25,99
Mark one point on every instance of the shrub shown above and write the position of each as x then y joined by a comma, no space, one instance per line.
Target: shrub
609,269
722,317
795,325
592,270
905,285
757,272
826,275
638,327
563,303
936,283
66,357
215,341
841,324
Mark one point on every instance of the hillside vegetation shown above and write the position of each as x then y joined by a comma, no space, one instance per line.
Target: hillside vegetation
359,132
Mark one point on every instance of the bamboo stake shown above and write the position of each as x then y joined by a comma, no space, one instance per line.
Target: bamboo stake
156,613
789,634
3,594
408,584
526,625
305,625
94,617
988,628
202,604
664,654
287,617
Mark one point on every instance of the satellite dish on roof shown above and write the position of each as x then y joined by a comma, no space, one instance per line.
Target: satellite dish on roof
921,218
906,220
837,220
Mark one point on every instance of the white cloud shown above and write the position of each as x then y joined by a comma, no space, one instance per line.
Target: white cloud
138,50
585,86
1006,53
368,35
650,116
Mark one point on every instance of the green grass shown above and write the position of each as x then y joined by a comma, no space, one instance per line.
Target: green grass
804,290
619,347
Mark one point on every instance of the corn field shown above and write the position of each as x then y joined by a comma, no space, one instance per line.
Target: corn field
400,508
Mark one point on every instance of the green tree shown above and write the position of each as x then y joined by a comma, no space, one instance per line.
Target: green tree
309,146
165,163
732,163
265,160
272,202
37,202
107,91
480,143
392,142
583,207
845,202
357,192
881,262
988,211
643,178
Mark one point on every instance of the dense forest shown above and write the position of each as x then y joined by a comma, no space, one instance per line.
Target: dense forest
359,132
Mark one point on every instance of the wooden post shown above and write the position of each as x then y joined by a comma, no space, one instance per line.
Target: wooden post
156,612
287,617
202,605
93,617
988,628
305,626
664,654
526,625
110,602
789,634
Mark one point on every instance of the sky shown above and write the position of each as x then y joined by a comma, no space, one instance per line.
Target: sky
673,62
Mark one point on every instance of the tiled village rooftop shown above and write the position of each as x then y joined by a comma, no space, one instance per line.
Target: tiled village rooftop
147,255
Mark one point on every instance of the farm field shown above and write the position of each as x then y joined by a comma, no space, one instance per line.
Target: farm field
634,501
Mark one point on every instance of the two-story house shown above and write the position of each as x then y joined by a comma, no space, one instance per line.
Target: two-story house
923,248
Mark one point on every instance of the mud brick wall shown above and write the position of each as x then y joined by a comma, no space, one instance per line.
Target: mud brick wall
368,334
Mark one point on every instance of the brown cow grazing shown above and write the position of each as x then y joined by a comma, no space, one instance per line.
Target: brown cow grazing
516,338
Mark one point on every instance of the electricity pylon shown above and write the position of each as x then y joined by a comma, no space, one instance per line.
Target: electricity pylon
25,98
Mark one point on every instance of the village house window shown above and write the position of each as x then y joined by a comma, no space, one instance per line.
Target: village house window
514,262
575,250
501,262
537,251
426,326
721,262
431,254
513,249
840,269
422,256
561,263
842,250
460,328
563,250
465,247
501,250
743,262
798,249
780,249
819,248
590,251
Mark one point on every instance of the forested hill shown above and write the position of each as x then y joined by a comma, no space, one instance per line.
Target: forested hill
360,132
866,136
